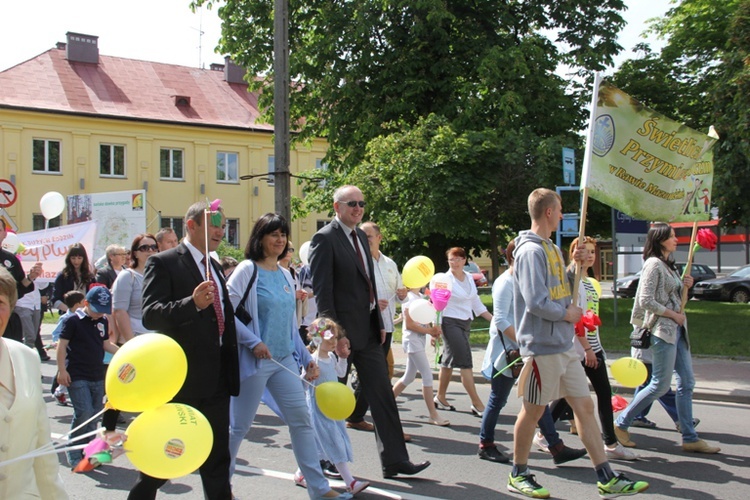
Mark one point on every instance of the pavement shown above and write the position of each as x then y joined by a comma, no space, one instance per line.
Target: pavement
716,379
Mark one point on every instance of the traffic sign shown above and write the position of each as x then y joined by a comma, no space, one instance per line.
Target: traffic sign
8,193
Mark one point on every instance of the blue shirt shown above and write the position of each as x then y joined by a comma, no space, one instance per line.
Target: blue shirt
276,311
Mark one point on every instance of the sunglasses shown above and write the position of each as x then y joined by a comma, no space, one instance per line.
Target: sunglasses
147,248
353,203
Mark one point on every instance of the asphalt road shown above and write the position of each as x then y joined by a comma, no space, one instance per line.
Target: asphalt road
267,463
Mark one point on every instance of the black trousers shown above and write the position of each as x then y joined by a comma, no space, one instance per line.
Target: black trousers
361,406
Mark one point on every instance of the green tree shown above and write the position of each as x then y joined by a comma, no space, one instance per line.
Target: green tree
700,77
478,75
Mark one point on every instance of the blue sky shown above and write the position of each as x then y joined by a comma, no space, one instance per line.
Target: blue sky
164,30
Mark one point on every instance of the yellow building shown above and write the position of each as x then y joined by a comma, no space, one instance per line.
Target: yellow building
77,122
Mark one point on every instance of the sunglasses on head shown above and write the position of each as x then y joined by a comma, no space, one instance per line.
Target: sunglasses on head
353,203
146,248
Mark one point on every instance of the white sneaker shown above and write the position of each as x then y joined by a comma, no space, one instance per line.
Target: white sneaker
299,479
541,442
619,452
357,486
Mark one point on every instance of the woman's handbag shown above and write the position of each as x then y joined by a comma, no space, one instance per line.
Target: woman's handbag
640,338
510,357
241,313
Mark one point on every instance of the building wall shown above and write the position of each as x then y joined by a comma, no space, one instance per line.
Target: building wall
81,137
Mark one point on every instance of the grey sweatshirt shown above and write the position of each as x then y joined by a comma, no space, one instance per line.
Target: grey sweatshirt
541,294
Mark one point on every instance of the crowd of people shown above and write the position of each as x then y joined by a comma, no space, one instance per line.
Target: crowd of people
265,330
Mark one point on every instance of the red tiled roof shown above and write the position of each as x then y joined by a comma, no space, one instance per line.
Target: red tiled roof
130,89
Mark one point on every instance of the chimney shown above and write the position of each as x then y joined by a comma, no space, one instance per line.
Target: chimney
217,67
232,72
82,48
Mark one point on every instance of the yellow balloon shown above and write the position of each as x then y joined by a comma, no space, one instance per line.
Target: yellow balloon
335,400
418,271
597,286
145,373
629,372
170,441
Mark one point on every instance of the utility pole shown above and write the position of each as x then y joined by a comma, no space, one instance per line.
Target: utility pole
281,108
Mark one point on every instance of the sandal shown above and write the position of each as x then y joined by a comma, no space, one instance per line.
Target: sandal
440,422
441,406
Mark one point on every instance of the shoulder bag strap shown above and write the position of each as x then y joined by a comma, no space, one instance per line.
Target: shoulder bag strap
250,285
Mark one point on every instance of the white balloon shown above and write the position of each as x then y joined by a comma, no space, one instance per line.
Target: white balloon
52,204
11,242
441,280
304,253
422,311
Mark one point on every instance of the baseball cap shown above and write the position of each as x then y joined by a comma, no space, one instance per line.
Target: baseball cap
100,300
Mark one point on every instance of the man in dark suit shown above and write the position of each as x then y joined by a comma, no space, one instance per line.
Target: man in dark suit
179,301
342,273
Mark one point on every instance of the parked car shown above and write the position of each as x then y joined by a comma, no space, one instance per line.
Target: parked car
479,275
734,287
627,286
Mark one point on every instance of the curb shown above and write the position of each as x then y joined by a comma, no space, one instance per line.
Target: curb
698,394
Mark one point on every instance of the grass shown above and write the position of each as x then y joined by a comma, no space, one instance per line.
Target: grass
716,328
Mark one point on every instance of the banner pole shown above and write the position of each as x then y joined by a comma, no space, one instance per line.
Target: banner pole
688,265
585,181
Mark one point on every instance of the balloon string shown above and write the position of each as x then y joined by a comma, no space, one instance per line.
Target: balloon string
41,452
65,436
295,374
508,366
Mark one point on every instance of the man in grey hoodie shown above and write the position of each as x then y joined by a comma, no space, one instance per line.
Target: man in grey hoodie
545,321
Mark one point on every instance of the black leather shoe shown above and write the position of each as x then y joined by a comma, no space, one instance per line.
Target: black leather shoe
492,454
568,455
329,470
405,467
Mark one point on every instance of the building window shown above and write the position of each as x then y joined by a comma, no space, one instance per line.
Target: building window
175,223
37,222
46,156
171,164
271,170
320,168
232,232
111,160
226,167
320,224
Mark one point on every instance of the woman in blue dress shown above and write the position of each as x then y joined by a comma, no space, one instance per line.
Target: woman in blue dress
330,435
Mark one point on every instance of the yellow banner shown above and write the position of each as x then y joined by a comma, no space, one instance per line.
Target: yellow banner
646,165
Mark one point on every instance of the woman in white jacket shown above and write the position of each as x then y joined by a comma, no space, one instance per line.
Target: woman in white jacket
23,414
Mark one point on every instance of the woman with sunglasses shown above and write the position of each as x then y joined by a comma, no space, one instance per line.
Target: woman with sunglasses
128,287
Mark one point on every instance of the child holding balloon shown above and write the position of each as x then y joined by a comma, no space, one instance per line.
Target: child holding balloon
414,340
330,435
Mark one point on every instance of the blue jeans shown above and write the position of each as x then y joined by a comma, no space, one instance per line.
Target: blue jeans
500,388
87,397
288,393
668,358
667,400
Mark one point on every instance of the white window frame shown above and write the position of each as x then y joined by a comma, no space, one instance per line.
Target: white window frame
111,165
171,176
321,167
236,224
46,158
223,156
271,169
